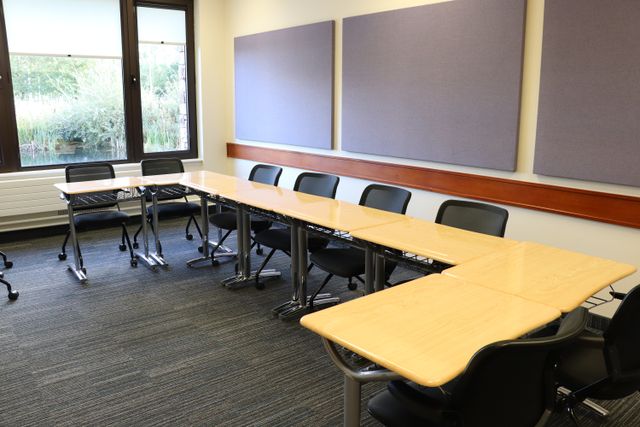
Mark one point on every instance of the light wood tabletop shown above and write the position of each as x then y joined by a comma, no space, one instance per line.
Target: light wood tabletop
101,185
427,330
218,184
556,277
439,242
329,213
164,179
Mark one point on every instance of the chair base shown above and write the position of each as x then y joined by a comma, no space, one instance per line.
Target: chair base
599,410
293,309
239,280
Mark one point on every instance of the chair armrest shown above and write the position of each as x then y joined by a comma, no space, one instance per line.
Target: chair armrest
590,340
362,376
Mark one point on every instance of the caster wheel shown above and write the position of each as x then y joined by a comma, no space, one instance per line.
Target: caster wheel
135,245
215,262
134,262
84,270
122,248
62,256
260,251
259,286
13,295
352,286
189,236
200,249
8,264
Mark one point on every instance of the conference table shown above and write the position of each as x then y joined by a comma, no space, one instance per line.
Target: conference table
421,241
428,329
556,277
301,212
83,195
425,330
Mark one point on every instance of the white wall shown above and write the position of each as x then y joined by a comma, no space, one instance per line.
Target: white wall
619,243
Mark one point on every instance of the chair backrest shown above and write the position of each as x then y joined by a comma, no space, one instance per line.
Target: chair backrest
622,346
89,172
392,199
318,184
510,383
473,216
163,167
265,174
92,172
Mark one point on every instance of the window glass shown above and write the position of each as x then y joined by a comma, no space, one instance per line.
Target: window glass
163,79
66,65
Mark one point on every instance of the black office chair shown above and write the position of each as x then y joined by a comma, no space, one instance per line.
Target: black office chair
280,238
265,174
97,215
350,262
506,384
604,366
5,260
169,208
473,216
13,295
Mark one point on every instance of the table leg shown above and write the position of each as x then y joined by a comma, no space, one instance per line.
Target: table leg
352,398
157,255
145,255
380,273
204,210
243,267
300,301
77,269
369,269
295,279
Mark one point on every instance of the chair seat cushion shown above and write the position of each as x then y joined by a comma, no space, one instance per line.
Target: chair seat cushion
99,219
175,210
408,404
228,221
346,262
342,262
280,238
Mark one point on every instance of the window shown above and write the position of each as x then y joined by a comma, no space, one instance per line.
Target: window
72,91
163,52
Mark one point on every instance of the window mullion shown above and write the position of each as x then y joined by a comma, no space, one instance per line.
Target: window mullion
9,159
131,79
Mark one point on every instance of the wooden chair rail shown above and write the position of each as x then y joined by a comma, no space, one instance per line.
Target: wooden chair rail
593,205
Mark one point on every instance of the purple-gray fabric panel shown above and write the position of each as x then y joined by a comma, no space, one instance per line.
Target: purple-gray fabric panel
284,86
439,82
589,113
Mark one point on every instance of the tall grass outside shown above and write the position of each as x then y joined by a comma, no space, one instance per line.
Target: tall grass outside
71,110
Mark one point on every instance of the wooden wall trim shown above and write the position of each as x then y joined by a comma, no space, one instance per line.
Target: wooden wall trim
593,205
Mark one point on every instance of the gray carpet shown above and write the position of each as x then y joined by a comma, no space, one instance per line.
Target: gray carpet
133,347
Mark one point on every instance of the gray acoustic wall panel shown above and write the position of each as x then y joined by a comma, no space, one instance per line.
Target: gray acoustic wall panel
439,82
284,86
589,113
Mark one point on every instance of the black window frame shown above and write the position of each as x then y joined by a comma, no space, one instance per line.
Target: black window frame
9,144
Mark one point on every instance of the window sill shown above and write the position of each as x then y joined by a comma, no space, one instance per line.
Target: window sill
120,168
